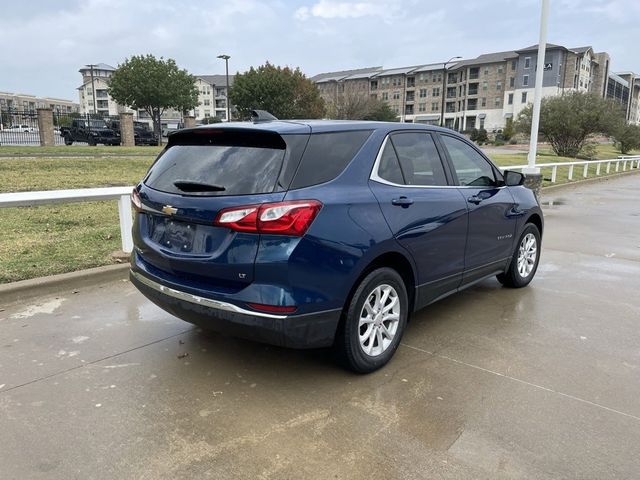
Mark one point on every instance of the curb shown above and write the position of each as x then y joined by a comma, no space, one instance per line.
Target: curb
58,284
586,181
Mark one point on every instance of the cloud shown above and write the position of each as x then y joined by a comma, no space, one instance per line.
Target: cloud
329,9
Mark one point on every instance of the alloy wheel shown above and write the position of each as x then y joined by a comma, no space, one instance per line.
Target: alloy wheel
379,320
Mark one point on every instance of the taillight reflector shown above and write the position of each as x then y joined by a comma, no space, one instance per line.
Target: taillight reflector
272,308
280,218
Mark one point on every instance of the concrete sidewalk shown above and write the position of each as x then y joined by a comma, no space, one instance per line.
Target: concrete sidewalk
491,383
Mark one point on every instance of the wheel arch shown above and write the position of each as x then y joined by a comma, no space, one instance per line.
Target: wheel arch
535,219
394,260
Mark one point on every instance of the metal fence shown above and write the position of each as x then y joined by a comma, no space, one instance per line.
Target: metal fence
19,128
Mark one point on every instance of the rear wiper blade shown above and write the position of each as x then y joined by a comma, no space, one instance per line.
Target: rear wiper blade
189,186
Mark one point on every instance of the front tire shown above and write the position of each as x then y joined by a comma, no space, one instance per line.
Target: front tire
68,140
526,257
374,321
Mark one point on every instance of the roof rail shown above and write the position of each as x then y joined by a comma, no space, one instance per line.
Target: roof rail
258,116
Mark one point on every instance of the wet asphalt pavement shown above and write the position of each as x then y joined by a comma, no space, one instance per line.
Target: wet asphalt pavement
492,383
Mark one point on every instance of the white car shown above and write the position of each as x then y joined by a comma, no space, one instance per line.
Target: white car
21,128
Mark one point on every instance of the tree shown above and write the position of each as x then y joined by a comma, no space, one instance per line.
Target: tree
627,137
210,120
352,106
508,131
282,91
567,121
146,83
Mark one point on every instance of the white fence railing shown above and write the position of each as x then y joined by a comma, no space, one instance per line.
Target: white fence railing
622,163
122,194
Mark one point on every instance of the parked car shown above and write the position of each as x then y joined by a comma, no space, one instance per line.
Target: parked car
142,134
323,233
21,128
92,131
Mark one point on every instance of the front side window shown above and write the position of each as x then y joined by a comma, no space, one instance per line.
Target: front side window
471,168
416,156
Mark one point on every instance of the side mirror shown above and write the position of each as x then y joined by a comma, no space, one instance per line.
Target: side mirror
512,178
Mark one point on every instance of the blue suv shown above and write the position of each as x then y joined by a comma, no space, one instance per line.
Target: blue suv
326,233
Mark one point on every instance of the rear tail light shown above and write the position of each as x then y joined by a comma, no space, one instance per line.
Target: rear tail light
280,218
135,200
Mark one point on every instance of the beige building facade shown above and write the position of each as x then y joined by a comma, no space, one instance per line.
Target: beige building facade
483,92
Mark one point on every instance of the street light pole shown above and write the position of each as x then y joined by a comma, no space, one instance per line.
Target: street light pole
444,87
226,67
93,89
537,94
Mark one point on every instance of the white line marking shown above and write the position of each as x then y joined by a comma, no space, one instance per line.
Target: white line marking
524,382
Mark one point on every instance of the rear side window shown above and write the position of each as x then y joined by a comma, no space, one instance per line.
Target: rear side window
327,155
419,159
228,164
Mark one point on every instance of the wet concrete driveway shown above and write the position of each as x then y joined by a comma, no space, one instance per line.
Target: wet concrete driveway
491,383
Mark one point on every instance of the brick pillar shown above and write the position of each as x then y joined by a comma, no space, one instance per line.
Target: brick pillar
45,127
126,130
189,121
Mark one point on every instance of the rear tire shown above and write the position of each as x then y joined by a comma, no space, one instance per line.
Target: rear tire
526,257
373,322
68,140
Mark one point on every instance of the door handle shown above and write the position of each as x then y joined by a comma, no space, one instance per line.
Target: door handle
402,202
474,199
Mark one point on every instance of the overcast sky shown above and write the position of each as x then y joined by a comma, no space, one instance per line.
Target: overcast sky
43,43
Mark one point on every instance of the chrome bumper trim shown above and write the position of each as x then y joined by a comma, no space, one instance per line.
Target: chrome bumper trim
207,302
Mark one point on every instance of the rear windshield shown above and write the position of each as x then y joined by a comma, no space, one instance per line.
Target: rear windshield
220,169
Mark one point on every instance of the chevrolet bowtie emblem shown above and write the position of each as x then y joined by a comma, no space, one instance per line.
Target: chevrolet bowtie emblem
169,210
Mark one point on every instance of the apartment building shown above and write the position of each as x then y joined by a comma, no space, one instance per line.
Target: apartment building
96,77
624,87
22,102
483,92
212,97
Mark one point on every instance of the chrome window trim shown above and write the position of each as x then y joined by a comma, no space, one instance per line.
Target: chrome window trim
376,178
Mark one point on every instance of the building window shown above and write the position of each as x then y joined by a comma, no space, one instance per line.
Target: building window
385,96
512,82
499,85
514,65
423,93
435,92
497,102
422,107
481,123
435,106
510,99
527,62
500,68
524,97
207,102
374,85
486,71
396,95
411,82
485,85
525,80
483,102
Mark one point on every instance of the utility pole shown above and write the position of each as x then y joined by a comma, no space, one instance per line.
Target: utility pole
537,94
93,88
226,68
444,87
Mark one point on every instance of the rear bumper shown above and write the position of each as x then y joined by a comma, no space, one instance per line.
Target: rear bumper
312,330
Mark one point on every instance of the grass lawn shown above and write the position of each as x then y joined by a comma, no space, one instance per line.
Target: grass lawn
45,240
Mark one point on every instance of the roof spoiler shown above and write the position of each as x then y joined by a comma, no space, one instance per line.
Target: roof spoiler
258,116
